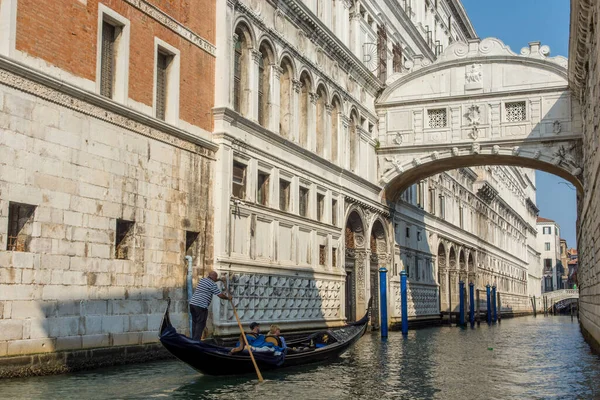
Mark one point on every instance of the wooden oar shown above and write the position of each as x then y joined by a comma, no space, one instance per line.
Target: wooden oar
260,378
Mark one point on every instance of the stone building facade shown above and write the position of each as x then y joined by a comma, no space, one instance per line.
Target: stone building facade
583,78
106,173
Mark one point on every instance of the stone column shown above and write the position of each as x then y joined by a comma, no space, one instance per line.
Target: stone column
361,268
443,282
453,284
345,23
294,106
274,100
252,91
355,40
224,56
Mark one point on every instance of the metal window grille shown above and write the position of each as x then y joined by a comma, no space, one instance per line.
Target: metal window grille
437,118
334,257
122,242
261,94
303,203
284,195
397,58
322,255
18,217
237,76
107,60
382,52
515,111
162,63
239,180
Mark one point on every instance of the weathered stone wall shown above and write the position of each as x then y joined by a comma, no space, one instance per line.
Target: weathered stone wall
68,291
585,70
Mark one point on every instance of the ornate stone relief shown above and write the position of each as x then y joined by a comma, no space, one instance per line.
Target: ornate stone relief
302,42
495,149
474,118
556,127
279,21
395,164
455,151
473,77
361,258
475,148
282,298
568,158
397,139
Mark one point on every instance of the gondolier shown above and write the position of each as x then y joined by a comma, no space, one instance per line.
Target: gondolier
205,290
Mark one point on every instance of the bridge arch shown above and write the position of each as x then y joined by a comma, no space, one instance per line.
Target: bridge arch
479,104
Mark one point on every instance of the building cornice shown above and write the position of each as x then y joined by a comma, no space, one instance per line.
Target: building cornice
318,32
581,14
460,15
174,25
32,81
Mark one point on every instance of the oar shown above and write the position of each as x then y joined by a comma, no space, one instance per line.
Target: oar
260,378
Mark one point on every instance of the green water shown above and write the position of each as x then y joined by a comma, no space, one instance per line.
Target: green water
522,358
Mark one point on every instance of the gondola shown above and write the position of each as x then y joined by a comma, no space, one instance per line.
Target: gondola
210,358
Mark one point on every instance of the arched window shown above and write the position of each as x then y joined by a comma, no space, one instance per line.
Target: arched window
285,98
240,70
304,108
353,141
321,117
335,113
264,84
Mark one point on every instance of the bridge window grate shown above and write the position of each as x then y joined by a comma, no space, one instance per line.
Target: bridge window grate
437,118
515,111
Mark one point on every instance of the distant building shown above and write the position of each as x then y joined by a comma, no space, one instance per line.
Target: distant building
572,264
549,245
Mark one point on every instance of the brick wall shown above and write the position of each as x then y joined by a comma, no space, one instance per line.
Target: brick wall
64,34
589,204
68,291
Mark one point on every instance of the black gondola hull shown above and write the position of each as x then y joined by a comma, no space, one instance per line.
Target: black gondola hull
211,359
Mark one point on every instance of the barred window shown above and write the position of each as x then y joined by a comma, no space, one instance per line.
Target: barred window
334,257
162,64
437,118
382,52
322,255
20,219
397,58
320,206
515,111
107,61
124,239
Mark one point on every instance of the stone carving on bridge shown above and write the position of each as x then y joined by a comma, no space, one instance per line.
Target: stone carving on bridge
283,298
397,139
495,149
395,164
435,155
474,118
556,127
455,151
566,157
473,77
476,148
516,150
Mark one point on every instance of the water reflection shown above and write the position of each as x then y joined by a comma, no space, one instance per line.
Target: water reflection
524,358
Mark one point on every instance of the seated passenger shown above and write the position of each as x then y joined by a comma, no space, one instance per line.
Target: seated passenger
274,336
252,337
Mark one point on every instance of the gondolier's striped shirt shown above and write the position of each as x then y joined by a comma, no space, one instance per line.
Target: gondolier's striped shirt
204,292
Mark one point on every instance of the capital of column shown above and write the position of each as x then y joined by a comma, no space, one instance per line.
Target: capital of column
297,85
328,108
256,55
314,97
277,70
345,120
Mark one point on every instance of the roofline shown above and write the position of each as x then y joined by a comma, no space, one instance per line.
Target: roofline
459,10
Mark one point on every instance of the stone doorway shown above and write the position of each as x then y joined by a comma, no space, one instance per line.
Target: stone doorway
354,241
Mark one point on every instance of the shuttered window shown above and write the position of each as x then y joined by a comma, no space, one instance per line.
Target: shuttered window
303,203
237,76
162,63
107,62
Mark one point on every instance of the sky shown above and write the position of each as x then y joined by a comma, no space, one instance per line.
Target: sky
516,23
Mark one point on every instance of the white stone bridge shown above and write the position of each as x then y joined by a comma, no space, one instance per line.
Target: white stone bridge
479,104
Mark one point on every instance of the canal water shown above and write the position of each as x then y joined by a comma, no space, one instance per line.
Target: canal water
521,358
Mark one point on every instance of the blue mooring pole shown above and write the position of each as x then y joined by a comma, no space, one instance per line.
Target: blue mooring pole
472,304
403,297
461,315
494,304
383,301
489,304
